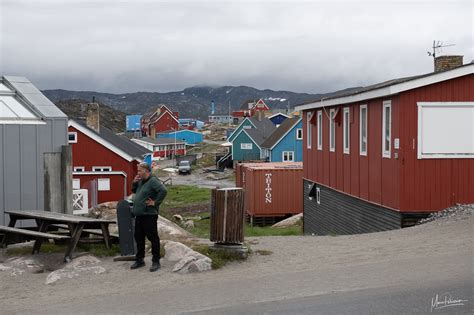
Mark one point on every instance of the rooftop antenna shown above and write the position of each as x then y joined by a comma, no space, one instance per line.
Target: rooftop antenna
437,47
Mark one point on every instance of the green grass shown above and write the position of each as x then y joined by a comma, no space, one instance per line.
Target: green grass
182,195
219,257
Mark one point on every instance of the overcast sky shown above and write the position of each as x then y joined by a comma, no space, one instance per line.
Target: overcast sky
304,46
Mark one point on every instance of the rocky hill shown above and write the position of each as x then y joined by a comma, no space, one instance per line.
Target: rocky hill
109,117
191,102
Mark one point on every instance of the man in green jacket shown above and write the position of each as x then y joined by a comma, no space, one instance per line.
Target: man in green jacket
149,193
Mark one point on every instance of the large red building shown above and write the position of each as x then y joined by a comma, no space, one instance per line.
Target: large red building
103,162
382,156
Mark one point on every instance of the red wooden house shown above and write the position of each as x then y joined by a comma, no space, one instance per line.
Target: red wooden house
383,156
250,108
160,120
103,162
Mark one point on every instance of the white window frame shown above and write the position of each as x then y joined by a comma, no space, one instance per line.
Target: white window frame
102,168
299,133
361,127
288,154
320,130
246,146
308,129
332,130
79,169
346,126
76,183
70,134
103,184
387,153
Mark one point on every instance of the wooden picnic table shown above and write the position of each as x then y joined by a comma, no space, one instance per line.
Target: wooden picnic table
75,225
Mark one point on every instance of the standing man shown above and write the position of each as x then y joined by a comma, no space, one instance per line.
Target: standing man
149,193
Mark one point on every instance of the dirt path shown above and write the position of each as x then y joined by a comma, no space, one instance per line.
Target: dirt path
299,266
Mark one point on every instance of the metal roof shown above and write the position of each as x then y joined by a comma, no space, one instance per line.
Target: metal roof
281,131
160,141
121,142
29,96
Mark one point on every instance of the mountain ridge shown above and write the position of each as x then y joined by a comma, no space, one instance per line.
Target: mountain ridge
192,102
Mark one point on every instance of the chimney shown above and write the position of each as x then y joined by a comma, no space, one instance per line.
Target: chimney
447,62
259,115
92,119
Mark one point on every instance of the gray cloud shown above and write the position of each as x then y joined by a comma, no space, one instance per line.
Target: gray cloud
306,46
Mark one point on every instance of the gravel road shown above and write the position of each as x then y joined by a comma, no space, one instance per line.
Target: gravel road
299,267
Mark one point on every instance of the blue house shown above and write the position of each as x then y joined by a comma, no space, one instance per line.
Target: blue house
246,143
286,142
278,118
188,136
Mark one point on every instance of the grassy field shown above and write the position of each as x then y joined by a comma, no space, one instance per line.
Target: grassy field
182,196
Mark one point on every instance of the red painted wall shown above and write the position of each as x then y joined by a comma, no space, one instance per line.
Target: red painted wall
88,153
433,184
165,123
115,193
406,184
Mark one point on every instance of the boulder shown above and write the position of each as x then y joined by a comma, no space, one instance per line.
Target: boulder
19,265
79,266
189,224
178,217
291,221
168,229
187,259
106,210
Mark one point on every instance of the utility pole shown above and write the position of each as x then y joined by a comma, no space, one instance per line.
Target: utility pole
229,114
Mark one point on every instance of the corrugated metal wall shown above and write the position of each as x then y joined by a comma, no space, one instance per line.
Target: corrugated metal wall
21,163
341,214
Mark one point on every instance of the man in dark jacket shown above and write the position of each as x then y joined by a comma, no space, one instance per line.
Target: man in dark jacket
149,193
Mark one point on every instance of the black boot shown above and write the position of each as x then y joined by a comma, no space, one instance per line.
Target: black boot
137,264
155,266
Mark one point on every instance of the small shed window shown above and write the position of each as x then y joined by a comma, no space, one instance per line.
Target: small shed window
246,146
332,130
79,169
299,134
320,130
72,137
386,128
346,127
363,130
103,184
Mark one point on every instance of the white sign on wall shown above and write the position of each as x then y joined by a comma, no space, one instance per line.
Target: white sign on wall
445,130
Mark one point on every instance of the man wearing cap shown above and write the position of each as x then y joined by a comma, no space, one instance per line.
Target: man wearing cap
149,193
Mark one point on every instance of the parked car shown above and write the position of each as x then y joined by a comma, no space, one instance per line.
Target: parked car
184,167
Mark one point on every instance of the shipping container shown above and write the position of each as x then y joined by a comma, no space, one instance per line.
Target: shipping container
273,189
241,167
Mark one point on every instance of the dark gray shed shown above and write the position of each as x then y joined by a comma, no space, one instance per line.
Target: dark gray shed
32,129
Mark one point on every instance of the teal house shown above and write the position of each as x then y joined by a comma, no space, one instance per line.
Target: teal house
248,137
285,144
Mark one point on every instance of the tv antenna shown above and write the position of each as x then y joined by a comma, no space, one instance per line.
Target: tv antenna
437,46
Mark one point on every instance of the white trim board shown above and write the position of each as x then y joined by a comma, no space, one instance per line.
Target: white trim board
274,115
392,89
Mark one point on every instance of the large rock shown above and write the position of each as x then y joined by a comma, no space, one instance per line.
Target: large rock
18,265
291,221
189,224
79,266
168,229
106,210
187,259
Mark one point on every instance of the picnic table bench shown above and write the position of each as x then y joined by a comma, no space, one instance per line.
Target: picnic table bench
44,219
